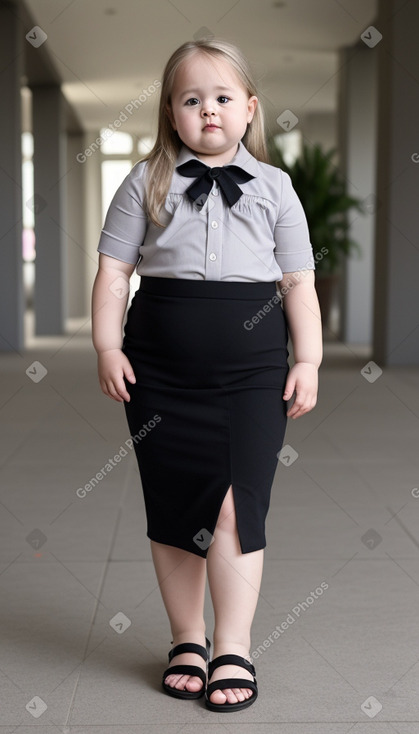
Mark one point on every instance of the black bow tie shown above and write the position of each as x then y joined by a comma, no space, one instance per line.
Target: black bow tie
227,177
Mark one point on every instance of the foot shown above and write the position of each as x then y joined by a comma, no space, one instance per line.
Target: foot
186,682
230,695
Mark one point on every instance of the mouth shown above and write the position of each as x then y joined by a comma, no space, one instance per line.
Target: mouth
211,127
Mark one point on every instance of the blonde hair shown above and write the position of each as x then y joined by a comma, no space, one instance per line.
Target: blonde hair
162,157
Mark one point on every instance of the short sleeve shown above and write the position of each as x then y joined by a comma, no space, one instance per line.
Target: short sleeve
126,222
293,249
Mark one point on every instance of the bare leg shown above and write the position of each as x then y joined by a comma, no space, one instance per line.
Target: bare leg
234,580
182,576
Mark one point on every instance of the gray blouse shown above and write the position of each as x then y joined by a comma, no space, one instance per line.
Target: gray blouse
263,235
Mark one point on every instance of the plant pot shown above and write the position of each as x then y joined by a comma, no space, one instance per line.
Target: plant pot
326,287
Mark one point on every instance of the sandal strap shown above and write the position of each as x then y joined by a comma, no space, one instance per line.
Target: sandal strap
188,647
231,660
218,685
186,670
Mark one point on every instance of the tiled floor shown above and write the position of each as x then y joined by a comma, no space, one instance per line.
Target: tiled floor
341,576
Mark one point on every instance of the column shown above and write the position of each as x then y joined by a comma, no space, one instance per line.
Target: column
357,133
76,251
396,301
11,274
49,187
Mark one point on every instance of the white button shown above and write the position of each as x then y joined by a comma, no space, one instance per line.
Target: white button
214,225
213,256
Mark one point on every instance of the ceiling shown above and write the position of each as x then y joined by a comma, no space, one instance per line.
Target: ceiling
107,51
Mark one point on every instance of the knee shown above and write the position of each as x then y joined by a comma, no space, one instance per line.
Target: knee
227,517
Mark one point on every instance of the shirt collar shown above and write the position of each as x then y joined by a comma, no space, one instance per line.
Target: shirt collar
243,158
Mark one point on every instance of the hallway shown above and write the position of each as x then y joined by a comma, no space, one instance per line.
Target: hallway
84,630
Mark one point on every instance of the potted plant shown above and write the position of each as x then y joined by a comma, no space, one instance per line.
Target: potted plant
321,189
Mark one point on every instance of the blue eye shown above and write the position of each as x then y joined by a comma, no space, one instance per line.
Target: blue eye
192,99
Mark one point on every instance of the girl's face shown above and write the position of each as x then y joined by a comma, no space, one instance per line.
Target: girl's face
208,92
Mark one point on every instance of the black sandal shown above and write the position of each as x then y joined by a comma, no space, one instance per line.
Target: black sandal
230,683
187,669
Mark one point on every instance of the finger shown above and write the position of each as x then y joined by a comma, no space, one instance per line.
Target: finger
122,395
297,407
113,392
129,374
289,389
122,390
105,389
300,398
301,409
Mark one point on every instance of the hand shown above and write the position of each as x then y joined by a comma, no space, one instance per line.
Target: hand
112,366
303,378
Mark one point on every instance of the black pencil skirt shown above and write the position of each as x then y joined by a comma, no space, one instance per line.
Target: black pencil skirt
206,411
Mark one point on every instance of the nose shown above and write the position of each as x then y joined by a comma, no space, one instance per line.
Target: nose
208,108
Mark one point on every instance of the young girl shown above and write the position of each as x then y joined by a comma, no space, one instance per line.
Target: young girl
202,370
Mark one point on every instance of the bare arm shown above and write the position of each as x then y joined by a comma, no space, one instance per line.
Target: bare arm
109,301
302,310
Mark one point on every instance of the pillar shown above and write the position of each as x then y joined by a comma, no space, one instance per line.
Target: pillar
396,301
357,146
49,188
11,274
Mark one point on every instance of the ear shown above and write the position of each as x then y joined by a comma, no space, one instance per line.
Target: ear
170,115
251,106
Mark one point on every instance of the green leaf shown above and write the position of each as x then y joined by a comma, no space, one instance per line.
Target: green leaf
322,190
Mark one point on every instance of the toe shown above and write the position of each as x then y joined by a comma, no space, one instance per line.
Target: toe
233,695
184,682
238,692
236,695
218,696
171,679
230,695
194,683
